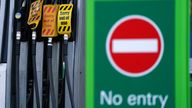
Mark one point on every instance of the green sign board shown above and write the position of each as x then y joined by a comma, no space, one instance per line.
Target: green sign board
137,54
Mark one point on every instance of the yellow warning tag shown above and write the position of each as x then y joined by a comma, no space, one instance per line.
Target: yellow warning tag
35,14
49,28
64,19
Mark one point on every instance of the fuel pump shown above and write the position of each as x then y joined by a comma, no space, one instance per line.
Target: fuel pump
49,31
19,16
33,21
64,28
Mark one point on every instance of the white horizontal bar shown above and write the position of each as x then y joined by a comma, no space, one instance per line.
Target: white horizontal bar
135,46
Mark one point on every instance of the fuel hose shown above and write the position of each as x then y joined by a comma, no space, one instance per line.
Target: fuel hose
18,17
33,21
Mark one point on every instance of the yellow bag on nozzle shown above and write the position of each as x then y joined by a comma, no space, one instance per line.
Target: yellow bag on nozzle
35,14
49,28
64,19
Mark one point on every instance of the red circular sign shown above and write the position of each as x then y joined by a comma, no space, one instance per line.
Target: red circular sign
135,46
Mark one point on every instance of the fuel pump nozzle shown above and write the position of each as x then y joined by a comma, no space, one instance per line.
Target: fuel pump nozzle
33,21
19,15
49,31
64,28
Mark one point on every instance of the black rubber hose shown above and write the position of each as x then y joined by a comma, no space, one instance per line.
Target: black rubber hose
62,101
17,73
74,19
18,29
35,74
50,74
62,98
69,84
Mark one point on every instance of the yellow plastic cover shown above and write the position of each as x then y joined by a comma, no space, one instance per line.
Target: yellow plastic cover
64,19
49,28
35,14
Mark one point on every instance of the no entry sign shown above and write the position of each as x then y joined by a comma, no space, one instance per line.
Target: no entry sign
135,45
136,54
